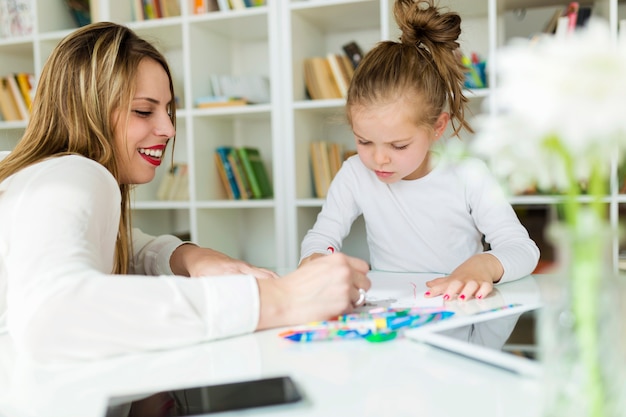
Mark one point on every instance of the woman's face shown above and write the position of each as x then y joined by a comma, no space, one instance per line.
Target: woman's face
140,151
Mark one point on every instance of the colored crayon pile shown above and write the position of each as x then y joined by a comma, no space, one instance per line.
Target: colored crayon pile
376,325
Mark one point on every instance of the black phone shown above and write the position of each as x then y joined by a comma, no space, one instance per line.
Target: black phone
230,396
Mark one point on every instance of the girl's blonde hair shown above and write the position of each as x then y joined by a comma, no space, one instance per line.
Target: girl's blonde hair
90,74
424,67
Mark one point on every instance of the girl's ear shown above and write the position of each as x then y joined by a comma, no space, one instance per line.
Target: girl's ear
441,124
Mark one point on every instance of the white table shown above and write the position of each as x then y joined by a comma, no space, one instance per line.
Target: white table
338,378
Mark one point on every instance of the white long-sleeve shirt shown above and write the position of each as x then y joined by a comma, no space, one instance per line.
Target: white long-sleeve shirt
58,297
432,224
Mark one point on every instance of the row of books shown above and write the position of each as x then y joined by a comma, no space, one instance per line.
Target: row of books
567,19
329,77
242,173
16,94
235,90
175,183
155,9
326,159
205,6
80,11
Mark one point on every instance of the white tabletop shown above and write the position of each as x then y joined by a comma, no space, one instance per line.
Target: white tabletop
338,378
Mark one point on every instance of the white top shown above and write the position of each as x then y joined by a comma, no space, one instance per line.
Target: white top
58,299
432,224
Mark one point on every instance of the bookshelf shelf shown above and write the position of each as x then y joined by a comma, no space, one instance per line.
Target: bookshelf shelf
271,41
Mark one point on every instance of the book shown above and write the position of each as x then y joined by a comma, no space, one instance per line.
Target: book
240,176
334,157
340,75
354,52
313,89
171,8
319,170
572,15
80,11
226,172
252,88
322,167
138,13
149,11
156,5
237,4
550,26
319,80
204,6
25,83
17,97
326,160
223,177
255,170
347,66
175,183
180,185
223,5
8,107
211,102
584,13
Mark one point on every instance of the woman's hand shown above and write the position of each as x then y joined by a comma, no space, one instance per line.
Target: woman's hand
318,290
194,261
473,278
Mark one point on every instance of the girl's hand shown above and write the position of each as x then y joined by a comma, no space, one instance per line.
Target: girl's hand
473,278
318,290
194,261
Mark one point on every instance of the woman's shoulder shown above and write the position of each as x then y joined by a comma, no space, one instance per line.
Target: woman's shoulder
73,163
71,170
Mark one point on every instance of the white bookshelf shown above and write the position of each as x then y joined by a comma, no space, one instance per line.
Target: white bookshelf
273,41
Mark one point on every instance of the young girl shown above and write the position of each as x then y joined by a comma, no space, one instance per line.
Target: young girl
421,214
102,117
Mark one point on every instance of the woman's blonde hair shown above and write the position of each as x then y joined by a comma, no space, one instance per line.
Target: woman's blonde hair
90,74
423,67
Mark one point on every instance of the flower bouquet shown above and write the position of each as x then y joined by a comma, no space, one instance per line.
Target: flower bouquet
562,129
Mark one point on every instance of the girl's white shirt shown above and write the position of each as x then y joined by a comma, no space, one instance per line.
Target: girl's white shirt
58,297
432,224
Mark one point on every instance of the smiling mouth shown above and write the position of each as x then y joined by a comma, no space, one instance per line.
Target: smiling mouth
153,155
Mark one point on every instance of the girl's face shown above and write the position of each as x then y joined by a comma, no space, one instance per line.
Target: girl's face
390,143
149,125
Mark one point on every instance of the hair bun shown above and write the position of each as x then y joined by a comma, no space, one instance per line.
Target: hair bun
422,23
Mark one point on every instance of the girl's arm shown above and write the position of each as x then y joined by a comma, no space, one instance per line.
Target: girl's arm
513,254
334,221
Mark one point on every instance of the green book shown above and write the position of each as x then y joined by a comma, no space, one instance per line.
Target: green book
256,172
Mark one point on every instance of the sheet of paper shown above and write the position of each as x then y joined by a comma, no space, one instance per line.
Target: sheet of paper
400,290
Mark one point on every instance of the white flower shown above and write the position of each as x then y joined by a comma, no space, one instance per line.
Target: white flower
571,90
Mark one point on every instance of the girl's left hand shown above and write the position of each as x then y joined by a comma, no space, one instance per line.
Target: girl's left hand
194,261
473,278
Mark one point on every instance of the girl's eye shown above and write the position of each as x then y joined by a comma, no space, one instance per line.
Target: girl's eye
399,148
143,113
362,142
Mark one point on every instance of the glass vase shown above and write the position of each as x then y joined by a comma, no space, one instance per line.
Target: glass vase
579,335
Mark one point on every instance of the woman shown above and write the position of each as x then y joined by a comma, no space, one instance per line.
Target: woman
72,273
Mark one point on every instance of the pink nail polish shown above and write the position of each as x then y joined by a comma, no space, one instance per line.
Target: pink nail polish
479,296
446,297
462,297
427,293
